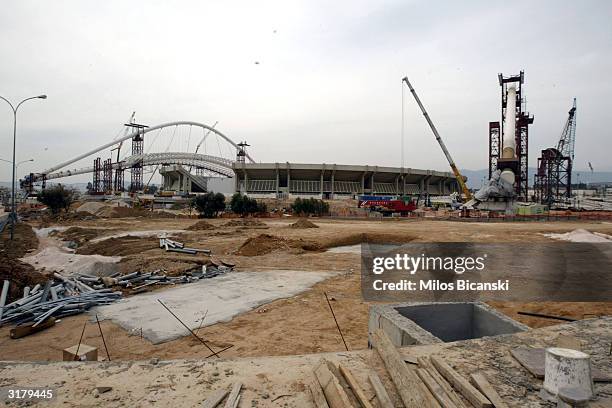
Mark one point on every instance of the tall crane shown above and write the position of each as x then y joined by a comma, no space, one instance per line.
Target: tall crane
568,136
451,162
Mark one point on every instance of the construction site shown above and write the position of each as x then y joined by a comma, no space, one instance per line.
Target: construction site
184,272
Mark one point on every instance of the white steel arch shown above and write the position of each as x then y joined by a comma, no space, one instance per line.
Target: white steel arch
133,134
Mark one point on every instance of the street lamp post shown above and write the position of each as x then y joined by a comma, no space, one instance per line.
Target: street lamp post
15,108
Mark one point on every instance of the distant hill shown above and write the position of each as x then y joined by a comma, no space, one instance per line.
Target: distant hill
475,177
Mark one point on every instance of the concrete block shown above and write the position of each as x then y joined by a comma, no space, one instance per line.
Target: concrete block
86,353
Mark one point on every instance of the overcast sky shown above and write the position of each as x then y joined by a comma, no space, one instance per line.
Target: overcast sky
327,86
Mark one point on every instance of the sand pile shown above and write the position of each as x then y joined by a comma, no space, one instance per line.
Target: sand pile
201,226
582,235
91,207
303,223
68,263
266,243
244,222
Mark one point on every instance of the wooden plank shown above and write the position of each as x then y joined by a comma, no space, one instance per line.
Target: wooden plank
25,330
480,382
460,383
215,398
435,388
425,364
410,388
381,393
533,360
335,394
357,390
318,398
234,397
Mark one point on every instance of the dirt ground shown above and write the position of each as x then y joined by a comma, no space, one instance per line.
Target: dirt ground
297,325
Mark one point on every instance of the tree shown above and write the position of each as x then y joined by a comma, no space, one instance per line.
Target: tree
210,204
57,198
152,189
244,205
309,206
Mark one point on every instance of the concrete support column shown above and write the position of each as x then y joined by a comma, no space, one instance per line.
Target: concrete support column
288,179
397,190
363,183
321,182
277,179
372,183
333,179
441,187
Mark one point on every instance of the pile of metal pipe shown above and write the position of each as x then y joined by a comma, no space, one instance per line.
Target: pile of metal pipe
66,298
175,246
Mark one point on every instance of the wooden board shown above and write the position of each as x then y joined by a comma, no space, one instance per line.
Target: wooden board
481,382
381,393
426,364
21,331
357,390
465,388
318,398
436,389
214,399
410,388
334,393
533,360
234,397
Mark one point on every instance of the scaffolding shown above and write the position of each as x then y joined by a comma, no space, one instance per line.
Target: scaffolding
137,150
496,130
107,181
97,172
553,181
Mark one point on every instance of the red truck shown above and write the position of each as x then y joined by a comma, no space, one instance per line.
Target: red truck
387,207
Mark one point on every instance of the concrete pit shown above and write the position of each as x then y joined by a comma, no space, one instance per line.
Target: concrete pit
428,323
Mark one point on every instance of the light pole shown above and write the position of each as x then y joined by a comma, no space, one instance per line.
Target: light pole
15,108
21,162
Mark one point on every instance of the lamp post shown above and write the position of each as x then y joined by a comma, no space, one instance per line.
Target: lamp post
15,108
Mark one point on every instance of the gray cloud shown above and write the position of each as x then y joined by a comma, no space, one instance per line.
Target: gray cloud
327,87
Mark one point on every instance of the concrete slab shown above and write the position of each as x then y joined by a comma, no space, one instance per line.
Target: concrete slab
224,297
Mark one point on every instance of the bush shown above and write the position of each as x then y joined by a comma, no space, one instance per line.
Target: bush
243,205
209,205
57,198
309,206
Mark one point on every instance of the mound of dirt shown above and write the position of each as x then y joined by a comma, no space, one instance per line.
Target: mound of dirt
244,222
77,234
266,243
119,246
24,240
19,275
303,223
201,226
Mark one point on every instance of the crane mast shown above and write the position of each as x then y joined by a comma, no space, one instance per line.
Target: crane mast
451,162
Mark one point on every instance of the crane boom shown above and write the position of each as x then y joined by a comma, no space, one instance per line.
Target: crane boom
458,176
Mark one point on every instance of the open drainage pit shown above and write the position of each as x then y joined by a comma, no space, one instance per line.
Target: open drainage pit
426,323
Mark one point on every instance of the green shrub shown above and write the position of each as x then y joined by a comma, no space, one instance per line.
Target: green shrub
209,205
309,206
57,198
244,205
